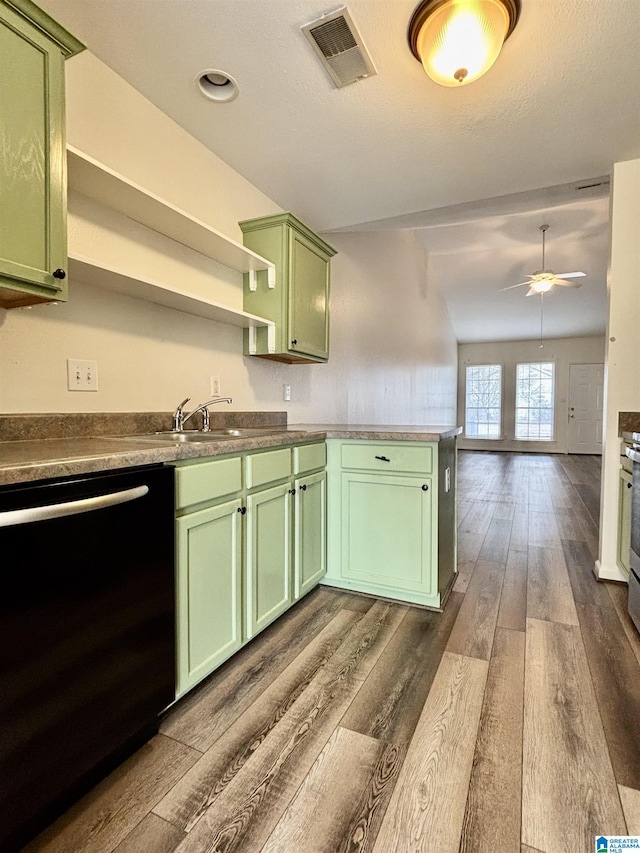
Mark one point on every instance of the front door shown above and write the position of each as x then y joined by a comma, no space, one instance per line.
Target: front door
586,388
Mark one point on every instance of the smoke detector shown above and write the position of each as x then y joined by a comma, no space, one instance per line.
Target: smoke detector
340,48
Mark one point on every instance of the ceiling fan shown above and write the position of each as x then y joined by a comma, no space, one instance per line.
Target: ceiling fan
544,280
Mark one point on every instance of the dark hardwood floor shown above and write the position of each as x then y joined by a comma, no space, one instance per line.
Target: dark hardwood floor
510,722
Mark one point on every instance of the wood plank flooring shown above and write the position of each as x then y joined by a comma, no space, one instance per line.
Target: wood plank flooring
509,722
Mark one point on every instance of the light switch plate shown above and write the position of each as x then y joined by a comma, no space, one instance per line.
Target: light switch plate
82,374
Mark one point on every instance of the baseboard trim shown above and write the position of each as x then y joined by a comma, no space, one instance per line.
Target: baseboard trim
608,573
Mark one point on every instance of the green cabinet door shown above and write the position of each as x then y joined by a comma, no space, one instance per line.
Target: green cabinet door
388,542
208,591
310,532
624,521
33,241
299,302
268,557
308,298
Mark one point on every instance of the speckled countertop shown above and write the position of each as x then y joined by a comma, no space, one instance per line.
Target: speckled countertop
382,432
39,459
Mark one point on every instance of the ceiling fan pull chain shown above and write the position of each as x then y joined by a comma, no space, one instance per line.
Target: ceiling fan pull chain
540,345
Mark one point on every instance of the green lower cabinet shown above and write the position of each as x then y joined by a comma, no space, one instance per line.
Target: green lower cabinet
208,591
387,535
245,550
624,521
268,557
310,532
391,518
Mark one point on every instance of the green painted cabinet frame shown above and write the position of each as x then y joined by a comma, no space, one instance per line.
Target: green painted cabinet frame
298,301
33,188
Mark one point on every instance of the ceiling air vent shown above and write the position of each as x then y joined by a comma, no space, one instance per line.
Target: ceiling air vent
593,184
340,47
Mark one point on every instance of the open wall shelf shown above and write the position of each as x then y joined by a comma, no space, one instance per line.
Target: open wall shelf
112,190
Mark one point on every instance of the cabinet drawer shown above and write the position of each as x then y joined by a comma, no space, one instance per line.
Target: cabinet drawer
308,457
396,456
268,467
207,481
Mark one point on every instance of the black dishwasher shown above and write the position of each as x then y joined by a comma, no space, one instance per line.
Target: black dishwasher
87,648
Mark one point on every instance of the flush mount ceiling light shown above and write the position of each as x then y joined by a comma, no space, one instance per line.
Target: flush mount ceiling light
217,85
458,41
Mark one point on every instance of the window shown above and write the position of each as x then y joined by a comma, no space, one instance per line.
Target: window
535,401
483,411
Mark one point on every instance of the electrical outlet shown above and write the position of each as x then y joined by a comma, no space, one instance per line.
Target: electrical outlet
215,386
82,375
286,392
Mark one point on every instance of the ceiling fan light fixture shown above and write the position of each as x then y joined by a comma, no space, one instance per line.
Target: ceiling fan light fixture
457,41
542,285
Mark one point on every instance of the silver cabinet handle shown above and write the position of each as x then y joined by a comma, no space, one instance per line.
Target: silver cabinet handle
45,513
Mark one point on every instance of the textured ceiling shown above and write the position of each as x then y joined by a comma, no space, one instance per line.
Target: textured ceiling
561,105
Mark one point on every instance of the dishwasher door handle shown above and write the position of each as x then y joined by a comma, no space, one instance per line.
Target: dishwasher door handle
14,517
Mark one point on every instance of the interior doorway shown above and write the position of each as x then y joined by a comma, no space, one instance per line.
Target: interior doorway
586,393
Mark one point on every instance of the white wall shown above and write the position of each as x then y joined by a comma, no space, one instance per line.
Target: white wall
393,356
562,351
622,376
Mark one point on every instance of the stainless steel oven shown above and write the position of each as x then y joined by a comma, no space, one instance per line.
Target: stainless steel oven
633,452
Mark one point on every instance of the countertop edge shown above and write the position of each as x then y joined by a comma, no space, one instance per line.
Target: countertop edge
38,460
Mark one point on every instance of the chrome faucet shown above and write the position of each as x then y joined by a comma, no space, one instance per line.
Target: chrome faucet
178,415
180,419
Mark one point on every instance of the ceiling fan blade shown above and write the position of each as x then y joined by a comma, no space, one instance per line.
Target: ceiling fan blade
570,274
522,284
567,283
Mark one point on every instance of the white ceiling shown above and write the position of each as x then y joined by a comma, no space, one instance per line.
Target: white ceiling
466,165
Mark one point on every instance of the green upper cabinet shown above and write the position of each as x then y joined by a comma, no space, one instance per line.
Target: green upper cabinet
33,239
298,301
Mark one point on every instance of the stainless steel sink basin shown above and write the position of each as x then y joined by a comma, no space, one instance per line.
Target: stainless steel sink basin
190,436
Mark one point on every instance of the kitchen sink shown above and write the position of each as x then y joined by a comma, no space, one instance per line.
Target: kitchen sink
193,436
